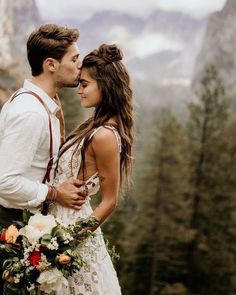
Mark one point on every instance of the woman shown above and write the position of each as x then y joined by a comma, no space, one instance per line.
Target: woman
98,152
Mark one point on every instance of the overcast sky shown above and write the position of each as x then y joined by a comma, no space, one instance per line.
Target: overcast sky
82,9
133,45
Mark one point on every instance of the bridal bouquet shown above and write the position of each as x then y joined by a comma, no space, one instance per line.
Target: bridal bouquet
41,252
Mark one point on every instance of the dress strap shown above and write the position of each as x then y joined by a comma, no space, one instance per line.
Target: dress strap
117,135
94,131
118,139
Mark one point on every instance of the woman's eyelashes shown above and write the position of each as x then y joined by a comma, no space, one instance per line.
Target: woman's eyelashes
83,84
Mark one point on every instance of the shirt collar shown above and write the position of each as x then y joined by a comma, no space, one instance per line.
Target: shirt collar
52,106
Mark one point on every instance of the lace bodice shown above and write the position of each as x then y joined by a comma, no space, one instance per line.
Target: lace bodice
98,276
68,167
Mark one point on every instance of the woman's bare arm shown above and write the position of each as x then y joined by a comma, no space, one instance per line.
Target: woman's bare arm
107,157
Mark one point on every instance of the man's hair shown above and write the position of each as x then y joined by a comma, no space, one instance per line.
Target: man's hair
49,40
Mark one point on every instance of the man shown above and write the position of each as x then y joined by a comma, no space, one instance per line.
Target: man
30,130
25,142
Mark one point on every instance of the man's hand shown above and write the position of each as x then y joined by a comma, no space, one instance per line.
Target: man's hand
70,195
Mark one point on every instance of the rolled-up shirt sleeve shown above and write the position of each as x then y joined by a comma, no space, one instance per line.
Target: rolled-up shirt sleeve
20,140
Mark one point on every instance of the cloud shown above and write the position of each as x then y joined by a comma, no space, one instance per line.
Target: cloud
142,45
151,43
80,10
197,8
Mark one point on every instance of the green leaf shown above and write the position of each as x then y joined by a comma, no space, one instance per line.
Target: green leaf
26,216
58,231
46,239
19,224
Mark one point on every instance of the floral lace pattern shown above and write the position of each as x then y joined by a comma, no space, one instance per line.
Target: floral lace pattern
98,276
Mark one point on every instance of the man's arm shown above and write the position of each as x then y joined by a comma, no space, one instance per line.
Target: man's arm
18,145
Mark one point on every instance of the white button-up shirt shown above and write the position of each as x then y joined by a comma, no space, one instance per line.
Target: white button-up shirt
25,148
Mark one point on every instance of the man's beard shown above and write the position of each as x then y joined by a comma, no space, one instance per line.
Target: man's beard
70,84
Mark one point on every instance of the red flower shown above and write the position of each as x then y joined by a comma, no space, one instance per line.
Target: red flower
3,236
35,258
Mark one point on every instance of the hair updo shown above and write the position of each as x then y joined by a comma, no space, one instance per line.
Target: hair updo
110,53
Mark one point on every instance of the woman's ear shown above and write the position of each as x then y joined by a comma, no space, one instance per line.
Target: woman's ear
51,64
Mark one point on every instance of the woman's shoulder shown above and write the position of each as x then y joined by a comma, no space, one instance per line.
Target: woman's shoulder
106,138
104,133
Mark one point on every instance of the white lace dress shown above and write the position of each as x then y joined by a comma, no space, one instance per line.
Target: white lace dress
98,276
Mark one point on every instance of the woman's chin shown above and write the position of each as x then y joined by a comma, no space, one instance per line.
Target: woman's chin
85,105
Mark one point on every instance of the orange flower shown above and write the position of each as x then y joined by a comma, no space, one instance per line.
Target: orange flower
64,259
11,234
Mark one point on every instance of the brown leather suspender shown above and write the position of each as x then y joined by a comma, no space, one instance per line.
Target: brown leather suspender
50,163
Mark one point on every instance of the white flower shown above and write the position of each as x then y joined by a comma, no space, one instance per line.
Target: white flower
31,287
51,280
67,238
38,225
16,280
53,245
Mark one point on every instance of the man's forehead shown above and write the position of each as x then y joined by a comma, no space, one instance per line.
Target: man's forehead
73,50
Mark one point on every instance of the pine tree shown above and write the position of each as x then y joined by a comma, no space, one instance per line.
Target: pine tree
161,227
212,252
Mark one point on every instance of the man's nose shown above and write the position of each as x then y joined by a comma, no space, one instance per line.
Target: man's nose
79,89
79,64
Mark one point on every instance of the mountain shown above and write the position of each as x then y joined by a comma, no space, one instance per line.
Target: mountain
159,50
175,24
219,49
162,30
17,20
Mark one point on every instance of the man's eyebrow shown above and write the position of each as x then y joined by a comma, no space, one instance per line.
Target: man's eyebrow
76,55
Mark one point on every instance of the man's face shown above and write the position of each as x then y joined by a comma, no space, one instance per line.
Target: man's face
68,72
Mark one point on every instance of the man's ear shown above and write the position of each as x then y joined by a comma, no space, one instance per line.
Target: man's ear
51,64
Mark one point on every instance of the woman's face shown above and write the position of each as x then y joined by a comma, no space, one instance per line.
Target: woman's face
90,94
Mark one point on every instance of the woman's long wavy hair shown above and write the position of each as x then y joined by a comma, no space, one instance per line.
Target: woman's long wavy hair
105,66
